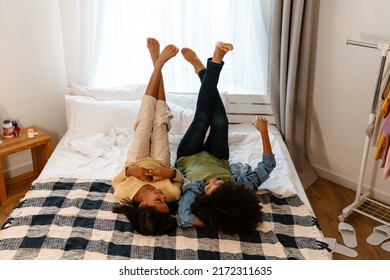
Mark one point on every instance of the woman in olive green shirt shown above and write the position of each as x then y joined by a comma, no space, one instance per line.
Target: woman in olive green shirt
215,197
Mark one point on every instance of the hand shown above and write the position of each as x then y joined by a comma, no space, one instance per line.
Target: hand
161,173
140,173
199,223
261,124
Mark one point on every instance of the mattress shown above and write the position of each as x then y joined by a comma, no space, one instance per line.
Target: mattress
102,155
67,213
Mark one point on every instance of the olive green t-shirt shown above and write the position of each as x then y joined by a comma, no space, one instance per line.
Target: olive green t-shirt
204,166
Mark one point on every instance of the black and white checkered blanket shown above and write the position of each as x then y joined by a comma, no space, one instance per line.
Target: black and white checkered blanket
70,219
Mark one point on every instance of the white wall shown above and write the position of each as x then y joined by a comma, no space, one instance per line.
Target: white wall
32,75
343,86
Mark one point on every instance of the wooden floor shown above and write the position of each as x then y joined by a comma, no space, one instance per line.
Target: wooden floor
5,211
328,200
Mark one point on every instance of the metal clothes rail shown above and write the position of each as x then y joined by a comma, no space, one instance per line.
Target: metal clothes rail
363,204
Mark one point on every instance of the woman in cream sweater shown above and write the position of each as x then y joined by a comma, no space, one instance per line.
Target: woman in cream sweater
147,183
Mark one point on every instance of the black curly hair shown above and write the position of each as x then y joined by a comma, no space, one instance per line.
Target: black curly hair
146,220
231,208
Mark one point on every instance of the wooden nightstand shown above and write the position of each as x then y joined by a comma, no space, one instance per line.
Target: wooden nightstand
13,189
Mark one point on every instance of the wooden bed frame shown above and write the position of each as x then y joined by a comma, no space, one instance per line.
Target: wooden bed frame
242,108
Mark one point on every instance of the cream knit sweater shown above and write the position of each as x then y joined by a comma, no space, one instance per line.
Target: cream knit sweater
127,187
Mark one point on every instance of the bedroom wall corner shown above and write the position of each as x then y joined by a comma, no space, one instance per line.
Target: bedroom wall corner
343,84
32,72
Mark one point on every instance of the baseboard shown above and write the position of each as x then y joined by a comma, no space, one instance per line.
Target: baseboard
17,170
350,184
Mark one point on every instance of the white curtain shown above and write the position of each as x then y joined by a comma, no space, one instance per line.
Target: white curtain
105,41
81,31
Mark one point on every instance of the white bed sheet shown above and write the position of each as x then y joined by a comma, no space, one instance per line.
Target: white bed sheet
102,155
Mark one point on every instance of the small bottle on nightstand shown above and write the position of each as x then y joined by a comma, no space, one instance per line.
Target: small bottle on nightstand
16,128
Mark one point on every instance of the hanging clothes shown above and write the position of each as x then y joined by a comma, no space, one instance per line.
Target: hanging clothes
386,155
386,132
386,168
386,77
382,110
379,138
381,147
379,122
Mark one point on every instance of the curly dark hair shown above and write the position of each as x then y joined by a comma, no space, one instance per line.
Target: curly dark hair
146,220
231,208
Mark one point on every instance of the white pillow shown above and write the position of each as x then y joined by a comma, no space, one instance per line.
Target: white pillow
125,92
185,100
182,119
183,106
88,116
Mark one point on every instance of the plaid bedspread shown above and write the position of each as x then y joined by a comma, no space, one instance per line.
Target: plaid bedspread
70,219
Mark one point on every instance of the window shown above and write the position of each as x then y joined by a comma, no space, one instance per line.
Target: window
124,59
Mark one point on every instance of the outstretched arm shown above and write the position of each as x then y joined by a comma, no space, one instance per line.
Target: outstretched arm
262,126
253,179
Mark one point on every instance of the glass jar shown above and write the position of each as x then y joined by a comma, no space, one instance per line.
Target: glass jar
8,129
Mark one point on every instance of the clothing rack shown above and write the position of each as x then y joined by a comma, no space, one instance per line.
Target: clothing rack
363,204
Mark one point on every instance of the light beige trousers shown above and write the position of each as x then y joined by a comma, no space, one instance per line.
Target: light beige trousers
151,129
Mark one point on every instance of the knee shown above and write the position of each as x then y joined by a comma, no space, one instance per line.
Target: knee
201,118
221,121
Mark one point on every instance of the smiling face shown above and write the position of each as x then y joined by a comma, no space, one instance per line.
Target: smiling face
212,186
149,195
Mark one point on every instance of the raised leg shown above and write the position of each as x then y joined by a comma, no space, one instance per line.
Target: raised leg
145,131
210,111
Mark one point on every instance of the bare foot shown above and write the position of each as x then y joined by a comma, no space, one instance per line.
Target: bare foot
154,48
168,52
192,58
220,50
